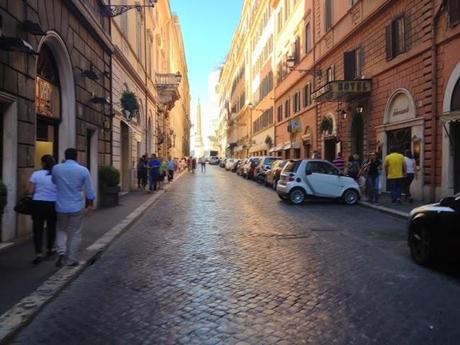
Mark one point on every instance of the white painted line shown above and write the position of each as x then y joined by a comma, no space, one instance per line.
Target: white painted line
386,209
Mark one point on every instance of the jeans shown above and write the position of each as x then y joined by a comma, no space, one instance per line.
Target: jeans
68,238
43,211
154,181
373,188
203,167
395,185
407,182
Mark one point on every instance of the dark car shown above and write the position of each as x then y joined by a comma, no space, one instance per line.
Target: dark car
434,231
223,162
249,167
239,168
272,176
263,166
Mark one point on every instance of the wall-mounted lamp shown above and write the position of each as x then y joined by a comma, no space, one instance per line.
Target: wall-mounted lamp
33,28
99,100
291,61
359,109
14,44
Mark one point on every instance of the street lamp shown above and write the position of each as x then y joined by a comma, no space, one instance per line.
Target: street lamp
116,10
291,62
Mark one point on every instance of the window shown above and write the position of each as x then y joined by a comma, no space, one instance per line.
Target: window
330,73
323,168
353,64
453,8
307,95
287,9
353,2
328,14
124,21
139,36
287,108
396,37
280,20
280,113
308,45
297,50
297,102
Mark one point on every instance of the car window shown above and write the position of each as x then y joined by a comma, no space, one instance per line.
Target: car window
323,168
268,161
291,166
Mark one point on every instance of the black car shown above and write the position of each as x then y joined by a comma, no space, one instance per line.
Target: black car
434,231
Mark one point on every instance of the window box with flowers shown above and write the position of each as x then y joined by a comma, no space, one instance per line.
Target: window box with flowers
130,104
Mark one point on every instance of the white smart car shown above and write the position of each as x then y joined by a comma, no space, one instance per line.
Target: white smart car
301,179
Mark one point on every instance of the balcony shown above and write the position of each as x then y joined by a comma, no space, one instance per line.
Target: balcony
167,85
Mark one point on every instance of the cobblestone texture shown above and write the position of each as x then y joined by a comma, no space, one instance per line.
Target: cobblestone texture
220,260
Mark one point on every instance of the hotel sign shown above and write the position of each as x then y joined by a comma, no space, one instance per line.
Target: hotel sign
343,90
47,98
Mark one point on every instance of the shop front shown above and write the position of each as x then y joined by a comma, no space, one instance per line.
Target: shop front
403,130
450,183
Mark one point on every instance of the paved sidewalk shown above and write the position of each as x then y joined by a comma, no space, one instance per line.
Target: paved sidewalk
386,205
20,277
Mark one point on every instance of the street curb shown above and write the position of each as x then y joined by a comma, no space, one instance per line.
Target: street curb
401,214
18,316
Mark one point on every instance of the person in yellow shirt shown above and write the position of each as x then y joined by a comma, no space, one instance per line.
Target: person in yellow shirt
395,169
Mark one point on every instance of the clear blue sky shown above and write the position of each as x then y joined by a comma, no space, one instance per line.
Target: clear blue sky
207,27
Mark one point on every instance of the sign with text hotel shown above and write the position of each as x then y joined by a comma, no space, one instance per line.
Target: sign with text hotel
343,90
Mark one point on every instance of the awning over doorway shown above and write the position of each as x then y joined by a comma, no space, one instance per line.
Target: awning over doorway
286,146
452,116
343,90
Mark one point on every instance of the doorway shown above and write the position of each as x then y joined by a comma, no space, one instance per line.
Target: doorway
455,135
125,159
329,149
399,139
357,135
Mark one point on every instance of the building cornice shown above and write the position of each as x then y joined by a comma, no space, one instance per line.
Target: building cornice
92,24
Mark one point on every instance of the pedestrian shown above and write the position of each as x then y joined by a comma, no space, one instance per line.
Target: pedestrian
411,174
163,171
395,169
172,166
202,161
352,167
193,165
339,162
71,179
189,164
316,155
43,207
154,172
142,173
371,171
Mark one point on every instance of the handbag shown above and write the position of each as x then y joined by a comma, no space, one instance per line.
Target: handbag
24,205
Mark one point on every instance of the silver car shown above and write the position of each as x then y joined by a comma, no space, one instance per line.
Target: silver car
315,178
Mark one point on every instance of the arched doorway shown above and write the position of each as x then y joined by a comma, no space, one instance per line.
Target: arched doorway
55,97
357,135
125,157
455,136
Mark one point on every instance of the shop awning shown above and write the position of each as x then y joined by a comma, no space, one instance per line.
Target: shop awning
286,146
343,90
276,148
295,145
452,116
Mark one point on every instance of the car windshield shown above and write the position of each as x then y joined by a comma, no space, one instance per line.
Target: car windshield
269,161
291,166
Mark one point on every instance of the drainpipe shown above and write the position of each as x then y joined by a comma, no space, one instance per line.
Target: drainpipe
434,105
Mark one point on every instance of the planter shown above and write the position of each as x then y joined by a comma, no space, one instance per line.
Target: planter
109,196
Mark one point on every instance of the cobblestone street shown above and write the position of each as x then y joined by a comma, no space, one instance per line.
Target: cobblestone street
221,260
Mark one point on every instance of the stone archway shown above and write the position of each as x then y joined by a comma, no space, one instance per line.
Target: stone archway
67,127
357,135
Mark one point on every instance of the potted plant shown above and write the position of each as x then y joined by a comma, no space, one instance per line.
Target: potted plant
129,103
3,201
326,125
268,141
109,179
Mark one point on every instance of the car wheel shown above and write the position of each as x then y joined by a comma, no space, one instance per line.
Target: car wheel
297,196
420,243
260,179
350,197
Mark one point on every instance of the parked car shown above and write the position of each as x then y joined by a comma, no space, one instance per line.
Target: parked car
239,168
214,160
229,163
262,167
315,178
248,169
236,165
223,162
434,232
273,175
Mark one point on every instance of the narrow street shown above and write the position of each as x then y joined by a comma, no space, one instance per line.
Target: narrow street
220,260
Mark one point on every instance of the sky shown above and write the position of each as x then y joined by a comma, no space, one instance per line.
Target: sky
207,27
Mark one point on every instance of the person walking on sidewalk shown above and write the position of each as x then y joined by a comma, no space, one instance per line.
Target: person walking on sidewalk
163,170
203,164
71,179
154,172
142,173
410,174
193,165
171,169
371,171
44,198
395,169
339,162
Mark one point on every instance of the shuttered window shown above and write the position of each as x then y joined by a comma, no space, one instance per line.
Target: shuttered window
308,45
396,37
353,64
307,95
328,14
454,12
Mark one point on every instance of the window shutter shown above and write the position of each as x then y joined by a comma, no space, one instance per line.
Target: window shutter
361,62
349,65
454,12
389,41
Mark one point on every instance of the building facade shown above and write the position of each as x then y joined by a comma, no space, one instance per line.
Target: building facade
359,76
55,92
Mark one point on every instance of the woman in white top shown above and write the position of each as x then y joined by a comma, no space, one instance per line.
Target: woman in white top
44,197
410,174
